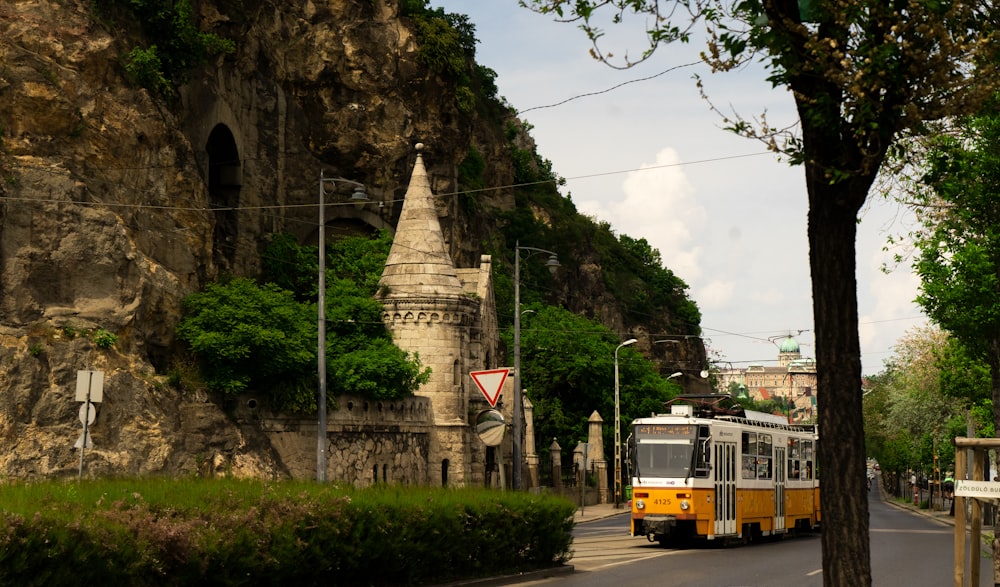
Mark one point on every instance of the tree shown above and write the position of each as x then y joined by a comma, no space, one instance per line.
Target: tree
862,72
263,336
958,257
959,245
247,334
913,410
568,366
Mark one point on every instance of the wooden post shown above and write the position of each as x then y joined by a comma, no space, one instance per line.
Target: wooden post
960,470
975,536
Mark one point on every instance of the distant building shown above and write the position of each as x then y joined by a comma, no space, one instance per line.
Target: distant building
792,382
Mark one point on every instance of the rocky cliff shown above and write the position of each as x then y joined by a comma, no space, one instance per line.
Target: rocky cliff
117,202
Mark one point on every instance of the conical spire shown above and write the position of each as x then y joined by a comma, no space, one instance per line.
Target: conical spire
419,263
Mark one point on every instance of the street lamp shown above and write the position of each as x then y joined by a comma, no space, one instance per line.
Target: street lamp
618,430
552,264
358,196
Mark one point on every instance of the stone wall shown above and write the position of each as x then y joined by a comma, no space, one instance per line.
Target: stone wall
363,437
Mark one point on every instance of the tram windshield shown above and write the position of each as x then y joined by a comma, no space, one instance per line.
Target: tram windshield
664,450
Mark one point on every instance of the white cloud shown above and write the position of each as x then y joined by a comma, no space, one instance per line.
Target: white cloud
715,294
659,205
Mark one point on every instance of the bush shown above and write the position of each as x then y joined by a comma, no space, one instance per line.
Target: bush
222,532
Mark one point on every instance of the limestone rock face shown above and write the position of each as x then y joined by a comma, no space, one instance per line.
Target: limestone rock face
115,204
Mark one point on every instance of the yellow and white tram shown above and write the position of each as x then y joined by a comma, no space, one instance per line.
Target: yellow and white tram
708,469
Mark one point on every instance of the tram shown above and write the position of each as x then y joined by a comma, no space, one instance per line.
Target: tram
710,470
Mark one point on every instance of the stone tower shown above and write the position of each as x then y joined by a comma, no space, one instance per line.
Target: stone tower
447,317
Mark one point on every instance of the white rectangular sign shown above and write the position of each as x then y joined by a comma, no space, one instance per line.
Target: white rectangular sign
981,489
90,383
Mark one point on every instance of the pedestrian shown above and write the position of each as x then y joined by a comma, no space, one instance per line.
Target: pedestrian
949,491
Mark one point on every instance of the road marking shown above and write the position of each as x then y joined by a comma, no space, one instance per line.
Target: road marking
895,531
631,560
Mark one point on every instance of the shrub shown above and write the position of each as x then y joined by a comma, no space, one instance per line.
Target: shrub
104,339
224,531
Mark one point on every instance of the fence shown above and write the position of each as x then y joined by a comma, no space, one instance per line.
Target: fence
570,481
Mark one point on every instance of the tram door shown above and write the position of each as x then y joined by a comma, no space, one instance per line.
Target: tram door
779,489
725,487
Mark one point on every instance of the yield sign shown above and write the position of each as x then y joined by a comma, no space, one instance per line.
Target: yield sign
490,383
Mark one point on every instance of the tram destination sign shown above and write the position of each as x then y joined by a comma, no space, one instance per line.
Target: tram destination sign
980,489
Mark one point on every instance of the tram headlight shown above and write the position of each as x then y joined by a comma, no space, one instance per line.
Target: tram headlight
640,504
685,505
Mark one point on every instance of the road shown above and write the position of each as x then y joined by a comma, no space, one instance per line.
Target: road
907,549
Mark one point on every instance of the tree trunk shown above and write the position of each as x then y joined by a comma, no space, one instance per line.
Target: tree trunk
844,501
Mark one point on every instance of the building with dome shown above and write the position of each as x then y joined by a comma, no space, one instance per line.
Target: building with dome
791,382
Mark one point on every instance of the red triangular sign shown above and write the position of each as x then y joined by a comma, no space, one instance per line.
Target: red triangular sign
490,383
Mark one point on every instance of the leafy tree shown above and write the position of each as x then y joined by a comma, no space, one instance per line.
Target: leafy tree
263,337
567,362
959,243
293,267
861,73
959,254
244,333
911,412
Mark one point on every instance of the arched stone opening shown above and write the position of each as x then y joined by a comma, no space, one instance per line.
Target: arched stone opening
225,177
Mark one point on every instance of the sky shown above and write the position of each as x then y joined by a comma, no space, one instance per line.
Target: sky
641,149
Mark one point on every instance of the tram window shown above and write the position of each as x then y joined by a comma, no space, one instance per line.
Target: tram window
793,448
656,459
749,463
794,463
764,457
807,458
703,452
763,467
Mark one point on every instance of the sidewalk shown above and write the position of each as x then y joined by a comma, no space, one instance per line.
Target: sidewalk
941,515
597,512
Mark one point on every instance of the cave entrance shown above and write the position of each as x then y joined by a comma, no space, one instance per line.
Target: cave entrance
224,182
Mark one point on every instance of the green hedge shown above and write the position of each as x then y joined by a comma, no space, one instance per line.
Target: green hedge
228,532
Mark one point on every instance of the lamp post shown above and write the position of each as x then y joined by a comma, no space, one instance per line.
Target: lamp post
618,430
356,197
552,264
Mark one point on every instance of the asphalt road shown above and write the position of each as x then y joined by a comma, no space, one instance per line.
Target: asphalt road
908,549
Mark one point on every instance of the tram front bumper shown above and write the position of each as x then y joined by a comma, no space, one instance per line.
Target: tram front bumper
656,525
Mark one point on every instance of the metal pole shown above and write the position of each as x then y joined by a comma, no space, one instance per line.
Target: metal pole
618,430
321,344
516,452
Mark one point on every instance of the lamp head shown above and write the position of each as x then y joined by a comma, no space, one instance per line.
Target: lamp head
553,264
359,198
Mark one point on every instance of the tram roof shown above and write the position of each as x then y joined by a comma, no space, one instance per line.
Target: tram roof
724,407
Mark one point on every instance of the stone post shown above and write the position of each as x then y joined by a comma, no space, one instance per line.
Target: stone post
555,451
595,455
579,459
529,444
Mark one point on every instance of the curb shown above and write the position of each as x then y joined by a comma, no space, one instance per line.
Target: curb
514,578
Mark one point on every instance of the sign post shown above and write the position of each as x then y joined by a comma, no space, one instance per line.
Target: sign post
89,390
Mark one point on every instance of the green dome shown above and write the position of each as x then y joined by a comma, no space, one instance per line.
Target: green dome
789,345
